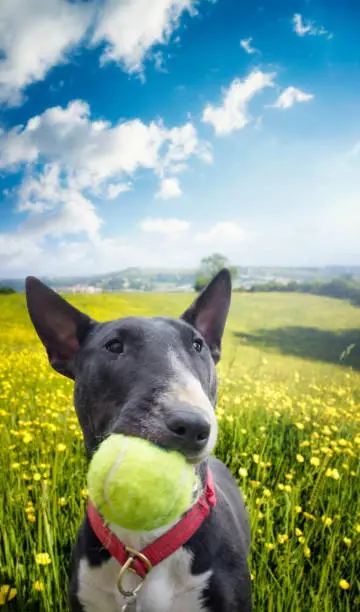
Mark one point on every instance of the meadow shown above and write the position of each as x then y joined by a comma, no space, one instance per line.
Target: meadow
289,417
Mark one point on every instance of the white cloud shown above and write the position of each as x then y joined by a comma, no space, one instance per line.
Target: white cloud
114,189
233,113
299,27
131,28
169,188
92,153
72,214
224,232
16,251
246,45
69,160
183,143
48,216
164,226
157,242
37,194
55,210
304,28
34,36
290,96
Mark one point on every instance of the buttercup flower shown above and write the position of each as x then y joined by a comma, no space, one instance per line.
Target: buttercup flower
43,559
344,584
6,594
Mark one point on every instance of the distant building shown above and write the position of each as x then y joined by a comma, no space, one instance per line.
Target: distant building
80,289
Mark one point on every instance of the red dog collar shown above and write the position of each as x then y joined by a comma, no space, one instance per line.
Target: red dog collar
166,544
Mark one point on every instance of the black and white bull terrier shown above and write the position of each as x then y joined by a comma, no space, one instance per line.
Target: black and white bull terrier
154,378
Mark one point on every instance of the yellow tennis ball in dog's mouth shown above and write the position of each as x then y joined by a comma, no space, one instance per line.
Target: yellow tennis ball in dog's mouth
139,486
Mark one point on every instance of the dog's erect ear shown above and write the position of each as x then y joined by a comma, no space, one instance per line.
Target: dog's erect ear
60,326
208,313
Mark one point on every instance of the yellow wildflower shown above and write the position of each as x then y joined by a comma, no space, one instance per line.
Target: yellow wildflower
344,584
6,594
282,538
39,586
327,520
332,473
43,559
311,517
307,552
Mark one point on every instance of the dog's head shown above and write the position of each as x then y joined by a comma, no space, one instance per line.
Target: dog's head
153,378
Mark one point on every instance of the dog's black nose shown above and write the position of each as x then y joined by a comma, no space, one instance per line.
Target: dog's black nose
189,430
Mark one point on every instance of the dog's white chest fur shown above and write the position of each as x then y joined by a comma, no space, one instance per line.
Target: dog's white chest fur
170,587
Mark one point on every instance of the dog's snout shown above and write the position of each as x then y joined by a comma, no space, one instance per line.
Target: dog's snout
189,429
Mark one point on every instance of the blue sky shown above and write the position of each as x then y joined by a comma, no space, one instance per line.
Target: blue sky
154,133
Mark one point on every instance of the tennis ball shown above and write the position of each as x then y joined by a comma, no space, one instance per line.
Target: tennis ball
138,485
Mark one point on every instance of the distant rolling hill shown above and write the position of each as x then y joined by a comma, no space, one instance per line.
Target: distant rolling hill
163,279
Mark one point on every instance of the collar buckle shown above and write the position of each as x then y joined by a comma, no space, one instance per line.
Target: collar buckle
134,555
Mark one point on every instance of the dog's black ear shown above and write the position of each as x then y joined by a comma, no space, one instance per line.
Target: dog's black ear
208,313
60,326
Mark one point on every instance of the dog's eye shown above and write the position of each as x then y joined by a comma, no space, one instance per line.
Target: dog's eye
198,345
115,346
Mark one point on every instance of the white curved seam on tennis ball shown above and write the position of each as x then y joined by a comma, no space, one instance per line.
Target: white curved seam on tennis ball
113,469
160,520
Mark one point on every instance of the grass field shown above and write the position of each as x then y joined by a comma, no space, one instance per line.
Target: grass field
289,415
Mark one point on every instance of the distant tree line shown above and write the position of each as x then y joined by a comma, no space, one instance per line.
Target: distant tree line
209,266
6,290
343,288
